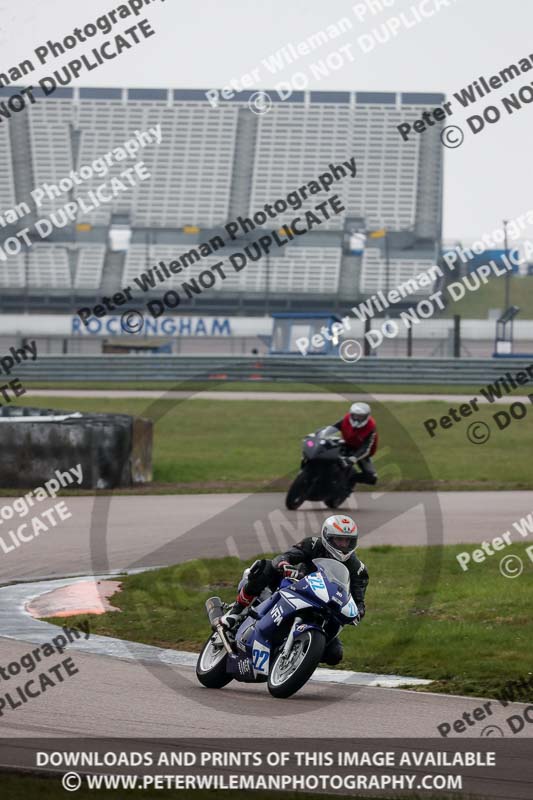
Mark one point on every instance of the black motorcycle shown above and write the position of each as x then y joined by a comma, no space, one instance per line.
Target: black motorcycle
325,474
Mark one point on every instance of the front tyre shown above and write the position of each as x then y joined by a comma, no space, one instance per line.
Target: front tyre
211,664
287,676
336,501
297,492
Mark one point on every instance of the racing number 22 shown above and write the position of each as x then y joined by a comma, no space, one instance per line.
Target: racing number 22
260,656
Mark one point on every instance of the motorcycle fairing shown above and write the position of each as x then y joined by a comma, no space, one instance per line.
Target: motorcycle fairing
256,633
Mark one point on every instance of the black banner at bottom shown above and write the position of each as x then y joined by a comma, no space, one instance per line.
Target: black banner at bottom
475,768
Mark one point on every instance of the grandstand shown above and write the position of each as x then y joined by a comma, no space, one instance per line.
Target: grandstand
212,165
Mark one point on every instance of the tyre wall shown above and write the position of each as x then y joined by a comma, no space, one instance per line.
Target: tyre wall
114,450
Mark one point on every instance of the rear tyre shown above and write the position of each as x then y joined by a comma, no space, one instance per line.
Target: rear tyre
211,665
297,493
287,676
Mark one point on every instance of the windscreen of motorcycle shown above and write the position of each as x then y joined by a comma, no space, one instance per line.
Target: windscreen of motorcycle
334,571
329,432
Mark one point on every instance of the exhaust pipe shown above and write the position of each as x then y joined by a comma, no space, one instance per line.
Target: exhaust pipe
214,609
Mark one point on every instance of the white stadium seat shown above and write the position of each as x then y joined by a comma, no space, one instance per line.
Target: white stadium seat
48,268
215,164
374,271
90,266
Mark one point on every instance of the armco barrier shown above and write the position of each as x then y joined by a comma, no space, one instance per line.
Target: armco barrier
320,369
113,449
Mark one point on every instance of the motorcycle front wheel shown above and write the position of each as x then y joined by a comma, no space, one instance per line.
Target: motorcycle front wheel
297,492
336,501
288,675
211,664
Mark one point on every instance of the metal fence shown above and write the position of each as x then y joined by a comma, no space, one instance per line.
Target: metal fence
154,368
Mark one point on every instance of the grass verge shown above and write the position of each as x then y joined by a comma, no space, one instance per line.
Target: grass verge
206,445
471,632
476,305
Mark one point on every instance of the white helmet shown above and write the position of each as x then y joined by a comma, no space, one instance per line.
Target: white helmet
359,414
339,536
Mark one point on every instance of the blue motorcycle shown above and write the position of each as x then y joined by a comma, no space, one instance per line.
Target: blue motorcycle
282,638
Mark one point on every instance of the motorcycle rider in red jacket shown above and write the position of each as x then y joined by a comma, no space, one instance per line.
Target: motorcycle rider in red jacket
359,431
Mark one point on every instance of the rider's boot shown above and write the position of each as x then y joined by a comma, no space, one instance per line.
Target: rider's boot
234,615
352,480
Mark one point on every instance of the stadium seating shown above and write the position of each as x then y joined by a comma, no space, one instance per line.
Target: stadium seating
90,266
316,268
48,268
297,143
215,164
7,190
374,271
12,273
191,168
51,147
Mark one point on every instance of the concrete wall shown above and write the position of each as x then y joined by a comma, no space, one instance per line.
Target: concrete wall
114,450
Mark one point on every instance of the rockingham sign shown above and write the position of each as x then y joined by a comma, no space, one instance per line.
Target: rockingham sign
66,326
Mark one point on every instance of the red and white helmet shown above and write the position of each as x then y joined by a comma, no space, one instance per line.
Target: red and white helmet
339,536
359,414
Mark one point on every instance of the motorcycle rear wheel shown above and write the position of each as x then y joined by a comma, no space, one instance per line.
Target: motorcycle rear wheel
297,493
211,665
288,676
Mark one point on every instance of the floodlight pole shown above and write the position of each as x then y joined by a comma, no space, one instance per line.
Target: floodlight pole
26,281
267,285
508,273
387,261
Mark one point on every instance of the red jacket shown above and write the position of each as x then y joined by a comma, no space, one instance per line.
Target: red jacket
364,439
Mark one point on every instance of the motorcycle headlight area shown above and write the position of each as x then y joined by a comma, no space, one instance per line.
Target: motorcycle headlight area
350,609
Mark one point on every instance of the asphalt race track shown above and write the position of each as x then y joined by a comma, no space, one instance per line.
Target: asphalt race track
113,697
130,532
117,698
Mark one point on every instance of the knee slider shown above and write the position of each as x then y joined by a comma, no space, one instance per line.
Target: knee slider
332,661
258,577
333,653
257,567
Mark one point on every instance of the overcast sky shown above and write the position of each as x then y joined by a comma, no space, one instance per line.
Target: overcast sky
205,43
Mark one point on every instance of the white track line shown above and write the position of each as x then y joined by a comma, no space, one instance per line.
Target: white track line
300,397
16,623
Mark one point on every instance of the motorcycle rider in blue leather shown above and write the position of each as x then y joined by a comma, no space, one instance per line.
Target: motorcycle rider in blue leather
338,540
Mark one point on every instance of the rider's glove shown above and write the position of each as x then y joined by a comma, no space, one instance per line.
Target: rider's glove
361,608
288,571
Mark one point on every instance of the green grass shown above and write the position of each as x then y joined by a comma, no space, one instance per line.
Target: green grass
476,305
208,445
471,632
